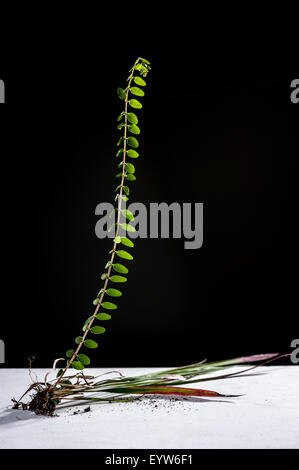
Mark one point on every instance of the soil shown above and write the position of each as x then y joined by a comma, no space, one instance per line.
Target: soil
41,403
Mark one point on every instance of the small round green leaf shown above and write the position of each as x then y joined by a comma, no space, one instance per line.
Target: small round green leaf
132,118
118,279
126,190
117,240
134,129
121,116
97,330
132,153
119,152
78,339
95,301
121,93
135,104
103,316
119,268
125,241
136,91
109,305
111,227
130,168
127,227
113,292
90,343
120,142
84,359
77,365
130,178
124,254
69,353
139,67
86,323
64,382
128,214
133,142
139,81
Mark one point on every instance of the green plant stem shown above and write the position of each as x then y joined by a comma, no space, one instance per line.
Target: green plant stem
116,234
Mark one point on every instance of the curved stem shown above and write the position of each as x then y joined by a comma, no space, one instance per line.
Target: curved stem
116,233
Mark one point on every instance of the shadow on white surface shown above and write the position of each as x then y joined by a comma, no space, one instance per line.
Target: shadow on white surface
16,417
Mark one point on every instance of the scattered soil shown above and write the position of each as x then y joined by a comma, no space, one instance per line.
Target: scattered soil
44,403
86,410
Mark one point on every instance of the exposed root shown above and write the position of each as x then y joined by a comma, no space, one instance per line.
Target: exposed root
42,403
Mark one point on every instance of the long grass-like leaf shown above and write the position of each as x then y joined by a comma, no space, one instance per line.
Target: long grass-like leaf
163,382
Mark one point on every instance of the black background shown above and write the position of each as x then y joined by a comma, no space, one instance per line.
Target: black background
230,142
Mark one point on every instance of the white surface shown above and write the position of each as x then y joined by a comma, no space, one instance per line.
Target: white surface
266,417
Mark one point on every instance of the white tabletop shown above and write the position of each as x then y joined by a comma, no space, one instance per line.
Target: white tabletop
266,417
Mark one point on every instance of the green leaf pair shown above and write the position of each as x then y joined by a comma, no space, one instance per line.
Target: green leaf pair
82,361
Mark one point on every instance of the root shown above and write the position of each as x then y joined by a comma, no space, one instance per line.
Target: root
42,403
47,396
